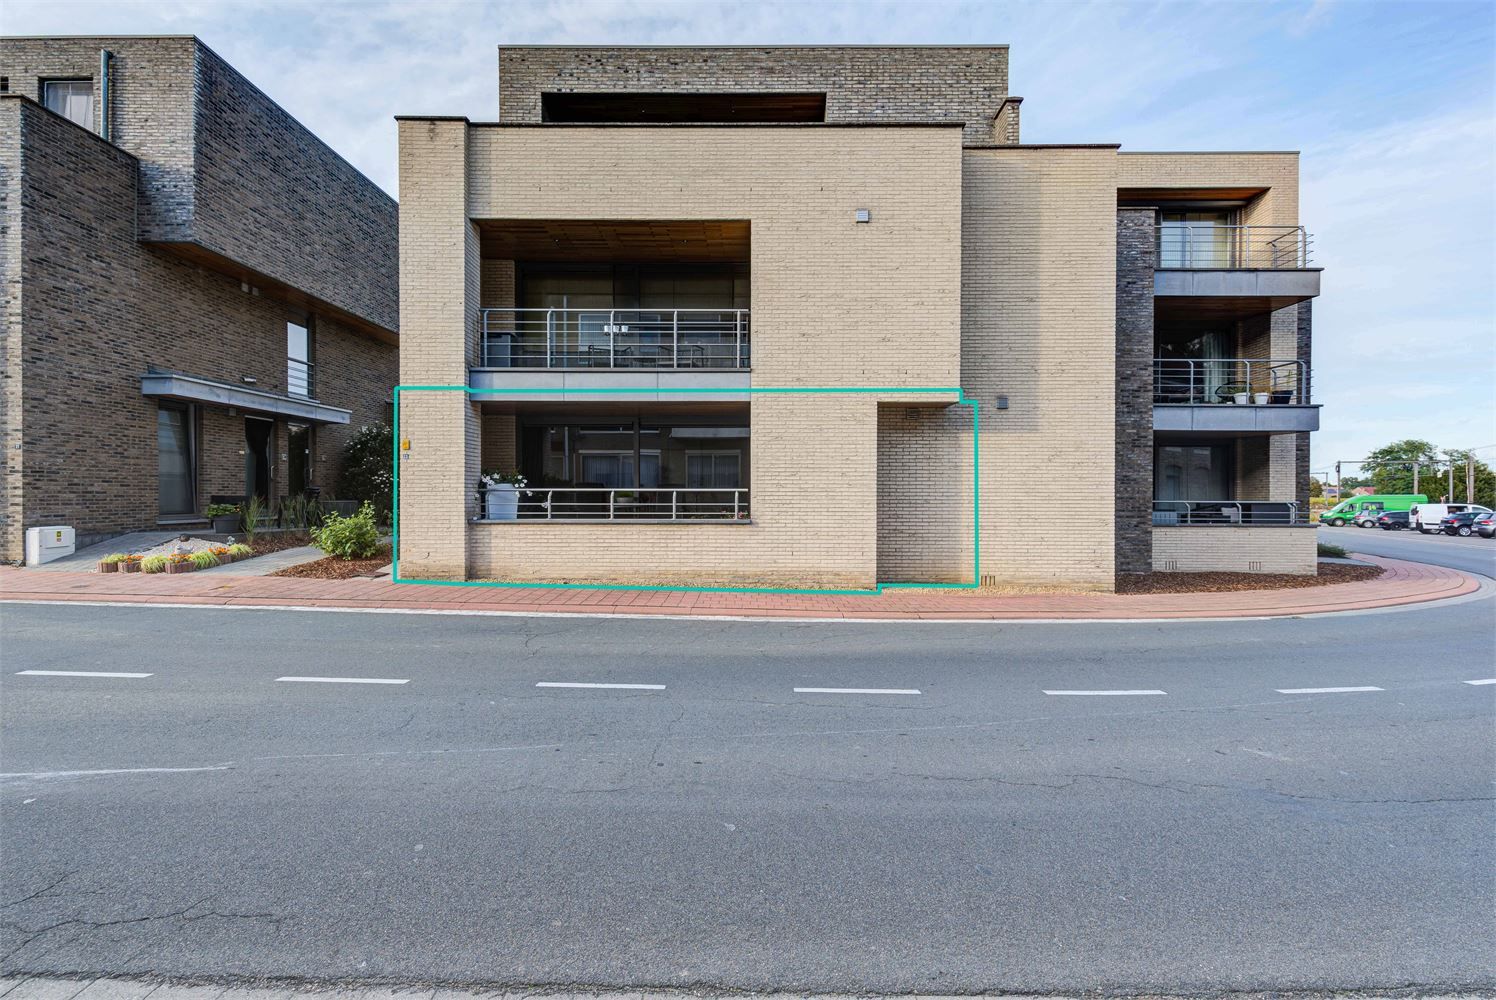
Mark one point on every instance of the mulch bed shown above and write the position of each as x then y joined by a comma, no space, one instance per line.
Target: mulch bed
333,568
1201,583
279,541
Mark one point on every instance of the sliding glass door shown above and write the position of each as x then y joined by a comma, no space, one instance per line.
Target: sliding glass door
175,483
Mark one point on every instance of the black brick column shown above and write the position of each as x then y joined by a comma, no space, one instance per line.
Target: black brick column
1134,473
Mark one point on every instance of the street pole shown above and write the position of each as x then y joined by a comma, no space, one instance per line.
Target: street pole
1415,477
1338,497
1469,477
1449,497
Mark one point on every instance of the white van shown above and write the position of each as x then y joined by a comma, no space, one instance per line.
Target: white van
1425,517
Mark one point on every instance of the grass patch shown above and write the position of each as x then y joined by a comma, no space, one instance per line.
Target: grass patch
1328,551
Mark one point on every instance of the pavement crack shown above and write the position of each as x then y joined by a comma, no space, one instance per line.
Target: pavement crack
44,890
185,914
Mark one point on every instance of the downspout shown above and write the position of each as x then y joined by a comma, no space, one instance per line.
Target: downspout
104,123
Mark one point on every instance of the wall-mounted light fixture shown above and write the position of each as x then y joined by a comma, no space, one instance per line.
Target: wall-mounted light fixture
864,215
1002,402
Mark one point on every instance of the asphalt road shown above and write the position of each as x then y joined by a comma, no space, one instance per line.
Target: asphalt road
724,830
1470,555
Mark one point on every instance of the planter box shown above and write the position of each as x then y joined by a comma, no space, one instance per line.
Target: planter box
182,567
226,524
108,567
501,503
129,567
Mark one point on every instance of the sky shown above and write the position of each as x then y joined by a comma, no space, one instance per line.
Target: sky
1392,104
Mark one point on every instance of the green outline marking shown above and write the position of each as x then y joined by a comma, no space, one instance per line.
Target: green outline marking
976,494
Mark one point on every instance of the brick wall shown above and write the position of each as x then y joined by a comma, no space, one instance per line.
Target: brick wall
224,168
1278,172
924,494
1237,549
97,308
1136,253
11,373
1039,307
861,83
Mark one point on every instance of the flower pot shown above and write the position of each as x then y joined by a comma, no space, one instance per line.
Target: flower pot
1281,397
1260,398
1240,399
501,503
226,524
180,567
130,567
108,567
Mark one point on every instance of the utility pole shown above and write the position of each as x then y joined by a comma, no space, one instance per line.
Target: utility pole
1415,477
1337,482
1469,477
1449,497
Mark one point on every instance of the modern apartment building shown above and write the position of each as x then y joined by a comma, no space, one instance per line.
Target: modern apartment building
200,296
816,317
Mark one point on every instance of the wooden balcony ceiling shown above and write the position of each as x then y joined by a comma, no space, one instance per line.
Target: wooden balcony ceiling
715,240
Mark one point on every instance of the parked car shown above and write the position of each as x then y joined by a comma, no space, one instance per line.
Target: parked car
1367,516
1429,517
1460,523
1347,510
1393,520
1485,525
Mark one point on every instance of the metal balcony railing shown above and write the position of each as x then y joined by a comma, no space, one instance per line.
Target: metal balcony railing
614,338
1205,245
1222,380
299,378
1226,513
643,503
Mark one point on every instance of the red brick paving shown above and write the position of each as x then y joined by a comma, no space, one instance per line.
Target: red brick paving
1403,583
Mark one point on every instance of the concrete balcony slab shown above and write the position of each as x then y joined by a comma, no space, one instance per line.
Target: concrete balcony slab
1236,419
656,385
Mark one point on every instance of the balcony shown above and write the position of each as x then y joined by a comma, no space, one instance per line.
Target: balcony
1227,513
572,352
636,505
1258,268
1233,395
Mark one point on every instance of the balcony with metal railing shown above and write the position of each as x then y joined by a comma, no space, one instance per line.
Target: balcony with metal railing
657,350
633,504
1241,395
1236,262
1227,513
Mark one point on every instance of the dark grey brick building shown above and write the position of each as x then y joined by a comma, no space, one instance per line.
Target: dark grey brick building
200,296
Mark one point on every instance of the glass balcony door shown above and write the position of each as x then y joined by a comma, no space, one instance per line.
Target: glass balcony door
1196,239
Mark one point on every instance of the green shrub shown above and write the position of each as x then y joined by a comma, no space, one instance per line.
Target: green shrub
221,510
239,550
1327,551
355,537
254,510
113,557
204,559
153,564
367,469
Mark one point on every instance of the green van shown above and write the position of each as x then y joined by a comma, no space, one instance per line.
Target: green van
1346,510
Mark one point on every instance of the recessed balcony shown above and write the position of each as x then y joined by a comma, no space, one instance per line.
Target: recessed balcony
702,354
1235,395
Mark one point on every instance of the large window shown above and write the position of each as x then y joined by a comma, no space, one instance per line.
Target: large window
687,451
175,482
1192,472
73,99
299,355
1196,239
714,469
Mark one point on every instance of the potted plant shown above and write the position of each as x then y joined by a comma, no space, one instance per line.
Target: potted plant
222,553
179,562
110,563
203,559
153,564
240,551
1236,391
225,517
130,564
498,493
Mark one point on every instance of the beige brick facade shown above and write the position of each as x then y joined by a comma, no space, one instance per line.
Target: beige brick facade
1235,550
988,266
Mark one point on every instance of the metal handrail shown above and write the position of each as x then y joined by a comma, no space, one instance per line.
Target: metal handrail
614,338
299,380
1220,380
623,503
1248,513
1206,245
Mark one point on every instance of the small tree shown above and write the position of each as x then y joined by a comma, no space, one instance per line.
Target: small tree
367,472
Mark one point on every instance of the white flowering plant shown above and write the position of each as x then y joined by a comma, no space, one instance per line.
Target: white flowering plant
494,478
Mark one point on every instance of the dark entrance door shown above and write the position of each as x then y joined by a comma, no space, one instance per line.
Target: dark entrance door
257,457
298,459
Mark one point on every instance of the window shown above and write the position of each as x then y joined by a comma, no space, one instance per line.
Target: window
175,460
615,469
73,99
713,470
1192,472
1196,239
299,355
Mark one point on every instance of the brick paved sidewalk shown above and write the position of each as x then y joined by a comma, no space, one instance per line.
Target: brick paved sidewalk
1403,583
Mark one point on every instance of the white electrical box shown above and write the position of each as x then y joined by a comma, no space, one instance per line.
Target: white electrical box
48,543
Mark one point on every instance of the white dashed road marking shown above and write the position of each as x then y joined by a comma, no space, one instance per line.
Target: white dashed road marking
1345,690
345,680
857,691
1107,693
611,687
1483,680
76,673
